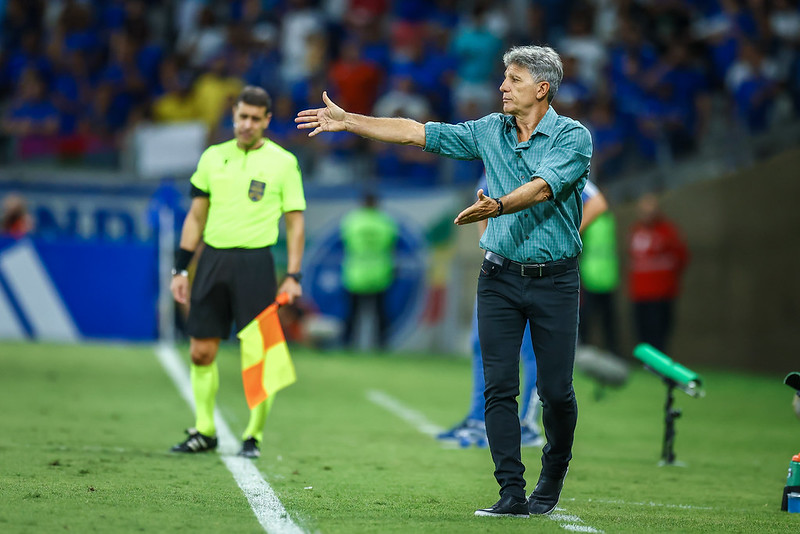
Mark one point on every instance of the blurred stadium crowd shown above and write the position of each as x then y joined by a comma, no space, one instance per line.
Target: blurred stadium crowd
77,76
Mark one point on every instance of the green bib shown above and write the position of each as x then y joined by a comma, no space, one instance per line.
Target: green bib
598,262
369,237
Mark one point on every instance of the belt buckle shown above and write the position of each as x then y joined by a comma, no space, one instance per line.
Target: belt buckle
532,266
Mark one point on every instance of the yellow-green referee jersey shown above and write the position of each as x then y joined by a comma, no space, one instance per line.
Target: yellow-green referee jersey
248,193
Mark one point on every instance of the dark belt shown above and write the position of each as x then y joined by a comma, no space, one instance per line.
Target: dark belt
535,270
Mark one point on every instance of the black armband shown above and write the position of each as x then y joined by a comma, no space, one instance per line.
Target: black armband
182,259
197,192
499,207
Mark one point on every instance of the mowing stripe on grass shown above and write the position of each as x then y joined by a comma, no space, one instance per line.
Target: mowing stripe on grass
412,417
263,500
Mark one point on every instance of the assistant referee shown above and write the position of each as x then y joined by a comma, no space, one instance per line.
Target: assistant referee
239,192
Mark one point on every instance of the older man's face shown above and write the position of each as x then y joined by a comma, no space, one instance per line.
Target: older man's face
520,91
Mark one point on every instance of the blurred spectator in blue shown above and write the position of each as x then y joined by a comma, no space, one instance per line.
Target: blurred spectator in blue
608,137
638,117
411,10
71,89
31,117
399,163
367,27
440,62
414,57
724,23
476,48
261,36
630,45
203,39
445,14
753,82
549,19
123,76
29,55
688,95
75,29
107,116
20,18
573,93
282,128
467,172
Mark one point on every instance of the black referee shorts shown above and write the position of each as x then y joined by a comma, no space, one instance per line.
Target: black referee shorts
231,284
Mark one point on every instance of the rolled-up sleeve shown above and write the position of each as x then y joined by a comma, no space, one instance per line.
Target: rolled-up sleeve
567,160
456,141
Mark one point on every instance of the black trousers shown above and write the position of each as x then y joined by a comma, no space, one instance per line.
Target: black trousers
374,303
653,321
599,306
506,302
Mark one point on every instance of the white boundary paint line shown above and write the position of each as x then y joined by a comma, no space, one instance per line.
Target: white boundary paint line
412,417
650,503
265,503
571,522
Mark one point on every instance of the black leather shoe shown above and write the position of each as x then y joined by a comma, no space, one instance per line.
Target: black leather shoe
545,496
507,506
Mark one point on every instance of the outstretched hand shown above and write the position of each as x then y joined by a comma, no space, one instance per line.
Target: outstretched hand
327,119
483,208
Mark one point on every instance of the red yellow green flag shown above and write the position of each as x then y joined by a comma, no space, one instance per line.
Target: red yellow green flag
266,364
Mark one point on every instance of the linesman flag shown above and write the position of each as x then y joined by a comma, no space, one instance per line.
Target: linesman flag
266,364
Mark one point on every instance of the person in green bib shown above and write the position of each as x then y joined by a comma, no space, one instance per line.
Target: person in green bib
240,190
599,267
369,236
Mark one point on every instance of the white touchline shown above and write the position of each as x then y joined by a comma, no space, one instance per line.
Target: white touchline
651,504
265,504
571,522
413,417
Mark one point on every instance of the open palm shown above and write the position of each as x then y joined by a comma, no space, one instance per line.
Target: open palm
331,118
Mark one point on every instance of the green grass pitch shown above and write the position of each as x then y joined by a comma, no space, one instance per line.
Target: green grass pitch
85,430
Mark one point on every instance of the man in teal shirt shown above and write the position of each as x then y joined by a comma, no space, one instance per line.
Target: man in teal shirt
537,163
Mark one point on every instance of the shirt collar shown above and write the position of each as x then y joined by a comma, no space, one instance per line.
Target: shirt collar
546,126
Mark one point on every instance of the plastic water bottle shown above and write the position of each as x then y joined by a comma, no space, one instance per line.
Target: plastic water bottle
792,481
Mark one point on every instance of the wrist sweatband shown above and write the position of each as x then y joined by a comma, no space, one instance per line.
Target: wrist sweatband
182,258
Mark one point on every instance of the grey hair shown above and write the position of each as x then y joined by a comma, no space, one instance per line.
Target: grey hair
542,62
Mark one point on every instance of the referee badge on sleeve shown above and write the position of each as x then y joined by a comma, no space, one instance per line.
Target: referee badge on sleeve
256,192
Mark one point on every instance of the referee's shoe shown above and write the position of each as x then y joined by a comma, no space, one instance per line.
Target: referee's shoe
250,448
196,442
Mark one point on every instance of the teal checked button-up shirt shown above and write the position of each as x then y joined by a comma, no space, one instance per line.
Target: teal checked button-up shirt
558,152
